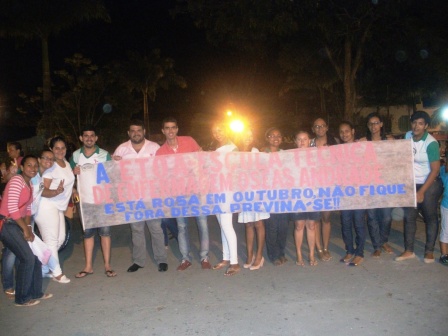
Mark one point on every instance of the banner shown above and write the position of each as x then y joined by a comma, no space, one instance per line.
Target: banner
359,175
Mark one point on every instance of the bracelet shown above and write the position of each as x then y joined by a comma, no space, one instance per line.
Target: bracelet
29,225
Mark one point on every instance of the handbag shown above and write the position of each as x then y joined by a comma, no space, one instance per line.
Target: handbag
2,221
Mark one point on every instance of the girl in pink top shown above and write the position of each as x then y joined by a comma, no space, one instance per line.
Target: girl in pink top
17,232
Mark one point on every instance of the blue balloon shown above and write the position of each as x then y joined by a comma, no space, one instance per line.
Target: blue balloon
107,108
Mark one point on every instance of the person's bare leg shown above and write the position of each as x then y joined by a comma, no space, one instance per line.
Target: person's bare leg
105,247
250,236
261,235
318,240
88,252
311,238
443,248
326,233
298,238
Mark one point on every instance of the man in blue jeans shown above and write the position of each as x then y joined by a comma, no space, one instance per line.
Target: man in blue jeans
176,145
428,186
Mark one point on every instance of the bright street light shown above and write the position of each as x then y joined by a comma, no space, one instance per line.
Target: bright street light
237,126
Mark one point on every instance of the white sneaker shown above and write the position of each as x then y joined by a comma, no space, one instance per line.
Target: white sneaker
62,280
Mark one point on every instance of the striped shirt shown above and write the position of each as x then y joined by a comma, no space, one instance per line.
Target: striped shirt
17,199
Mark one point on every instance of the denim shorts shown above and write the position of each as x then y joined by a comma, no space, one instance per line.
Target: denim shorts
102,231
314,216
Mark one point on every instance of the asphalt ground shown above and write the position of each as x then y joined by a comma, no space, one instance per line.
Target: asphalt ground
379,297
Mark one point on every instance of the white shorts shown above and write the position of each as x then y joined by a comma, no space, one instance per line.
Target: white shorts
444,227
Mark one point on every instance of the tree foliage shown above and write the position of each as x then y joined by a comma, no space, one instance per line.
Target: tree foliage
81,91
147,74
40,19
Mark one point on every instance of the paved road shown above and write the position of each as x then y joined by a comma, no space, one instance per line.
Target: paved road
380,297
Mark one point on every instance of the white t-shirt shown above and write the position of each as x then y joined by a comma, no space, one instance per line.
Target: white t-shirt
56,173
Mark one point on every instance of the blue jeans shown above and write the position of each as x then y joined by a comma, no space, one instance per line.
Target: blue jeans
170,224
8,262
184,239
276,233
354,219
430,216
378,223
28,272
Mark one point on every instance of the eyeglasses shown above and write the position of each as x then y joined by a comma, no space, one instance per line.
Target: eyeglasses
47,158
274,136
319,126
375,123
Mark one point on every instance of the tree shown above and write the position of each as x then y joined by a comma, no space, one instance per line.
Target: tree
310,76
81,92
40,19
147,74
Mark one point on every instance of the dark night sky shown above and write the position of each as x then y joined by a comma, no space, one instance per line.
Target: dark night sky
139,25
136,25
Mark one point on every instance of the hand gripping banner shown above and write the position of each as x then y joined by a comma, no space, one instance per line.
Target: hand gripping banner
359,175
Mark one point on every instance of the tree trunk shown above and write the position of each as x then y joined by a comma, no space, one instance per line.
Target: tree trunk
348,82
46,88
145,111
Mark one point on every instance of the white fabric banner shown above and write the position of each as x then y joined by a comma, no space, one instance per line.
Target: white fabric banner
359,175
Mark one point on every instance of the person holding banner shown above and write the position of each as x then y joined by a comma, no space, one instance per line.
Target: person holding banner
90,153
58,184
277,224
428,185
175,145
352,219
323,231
305,219
228,235
253,220
378,220
138,147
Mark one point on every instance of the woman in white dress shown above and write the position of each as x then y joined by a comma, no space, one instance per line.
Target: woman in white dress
252,220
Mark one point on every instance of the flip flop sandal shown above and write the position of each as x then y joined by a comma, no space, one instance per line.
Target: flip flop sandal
232,271
46,296
110,273
82,274
10,293
28,304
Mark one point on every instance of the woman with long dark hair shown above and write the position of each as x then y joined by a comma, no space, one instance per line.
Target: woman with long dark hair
323,229
16,232
352,219
253,221
378,220
58,185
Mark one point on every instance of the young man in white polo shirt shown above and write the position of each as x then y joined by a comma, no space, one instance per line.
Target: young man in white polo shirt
90,153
